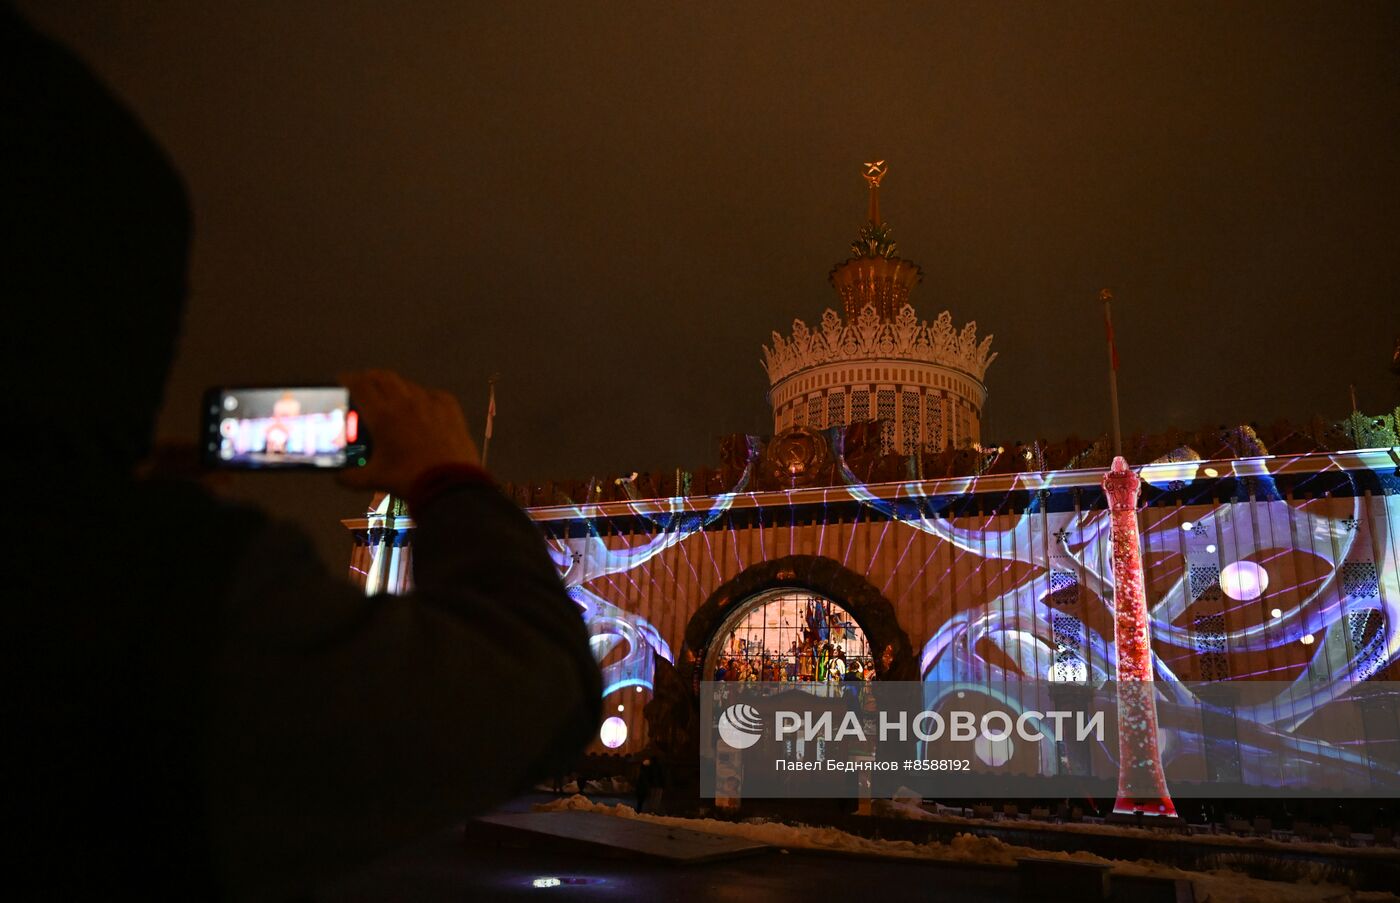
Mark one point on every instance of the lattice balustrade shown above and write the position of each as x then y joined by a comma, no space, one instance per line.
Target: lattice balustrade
933,423
1360,580
836,409
1366,630
1064,588
884,410
860,407
1205,582
909,422
1208,636
1068,636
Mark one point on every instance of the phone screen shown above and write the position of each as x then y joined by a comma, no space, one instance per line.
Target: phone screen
256,428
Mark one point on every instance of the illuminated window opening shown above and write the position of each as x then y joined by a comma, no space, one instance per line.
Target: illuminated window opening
790,635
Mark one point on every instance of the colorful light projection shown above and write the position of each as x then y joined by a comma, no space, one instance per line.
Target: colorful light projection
1324,561
588,559
1019,625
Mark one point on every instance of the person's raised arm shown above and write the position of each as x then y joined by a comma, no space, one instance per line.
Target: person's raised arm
347,723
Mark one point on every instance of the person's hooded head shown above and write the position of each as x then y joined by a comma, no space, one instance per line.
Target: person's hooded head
95,275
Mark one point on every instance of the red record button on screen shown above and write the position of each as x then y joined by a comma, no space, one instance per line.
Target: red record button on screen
352,426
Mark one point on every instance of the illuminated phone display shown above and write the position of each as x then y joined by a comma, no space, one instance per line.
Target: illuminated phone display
272,428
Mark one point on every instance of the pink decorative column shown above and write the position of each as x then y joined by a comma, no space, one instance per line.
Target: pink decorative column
1141,785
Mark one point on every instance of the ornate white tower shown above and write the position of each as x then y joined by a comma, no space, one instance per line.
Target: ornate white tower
879,362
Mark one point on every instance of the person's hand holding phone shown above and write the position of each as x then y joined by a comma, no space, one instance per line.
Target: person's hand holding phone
415,430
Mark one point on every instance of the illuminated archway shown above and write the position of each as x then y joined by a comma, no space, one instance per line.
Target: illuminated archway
789,634
888,645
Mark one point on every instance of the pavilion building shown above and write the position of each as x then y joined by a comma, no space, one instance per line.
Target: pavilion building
874,520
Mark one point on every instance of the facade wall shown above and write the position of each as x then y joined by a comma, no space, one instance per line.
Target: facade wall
996,577
989,596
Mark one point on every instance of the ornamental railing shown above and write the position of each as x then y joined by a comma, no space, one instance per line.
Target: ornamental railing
905,337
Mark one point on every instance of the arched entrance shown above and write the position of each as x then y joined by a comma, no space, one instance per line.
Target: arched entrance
886,645
673,715
789,634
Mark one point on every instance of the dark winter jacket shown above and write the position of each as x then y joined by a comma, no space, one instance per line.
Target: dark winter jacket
203,711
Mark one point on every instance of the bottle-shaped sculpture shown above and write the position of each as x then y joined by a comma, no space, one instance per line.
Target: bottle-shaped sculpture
1142,788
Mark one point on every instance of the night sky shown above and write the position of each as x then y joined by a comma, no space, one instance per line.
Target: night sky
614,206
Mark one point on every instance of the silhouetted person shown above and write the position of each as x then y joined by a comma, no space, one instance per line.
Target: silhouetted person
644,782
204,712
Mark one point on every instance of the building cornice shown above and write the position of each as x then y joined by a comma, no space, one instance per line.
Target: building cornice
1162,474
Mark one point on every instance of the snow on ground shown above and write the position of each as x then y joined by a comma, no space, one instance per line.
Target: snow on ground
614,786
1218,886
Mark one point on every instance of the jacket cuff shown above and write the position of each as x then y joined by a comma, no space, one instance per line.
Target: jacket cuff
444,478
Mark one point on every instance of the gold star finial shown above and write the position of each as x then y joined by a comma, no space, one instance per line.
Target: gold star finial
873,173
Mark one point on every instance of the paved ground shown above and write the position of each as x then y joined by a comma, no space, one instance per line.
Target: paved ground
445,868
497,864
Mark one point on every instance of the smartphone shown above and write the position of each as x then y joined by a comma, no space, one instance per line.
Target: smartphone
282,428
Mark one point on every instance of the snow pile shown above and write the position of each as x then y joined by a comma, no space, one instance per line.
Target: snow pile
953,815
613,785
905,804
964,848
580,803
1219,886
898,809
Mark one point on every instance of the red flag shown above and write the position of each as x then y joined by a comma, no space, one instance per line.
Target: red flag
491,410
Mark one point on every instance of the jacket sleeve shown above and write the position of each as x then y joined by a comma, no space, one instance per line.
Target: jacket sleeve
342,725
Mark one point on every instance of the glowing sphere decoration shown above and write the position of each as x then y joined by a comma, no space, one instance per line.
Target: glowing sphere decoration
613,733
1243,581
993,753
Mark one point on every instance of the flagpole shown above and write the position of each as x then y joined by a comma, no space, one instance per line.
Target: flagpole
1106,297
490,417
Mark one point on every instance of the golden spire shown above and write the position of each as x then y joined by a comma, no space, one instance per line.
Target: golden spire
873,275
874,172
